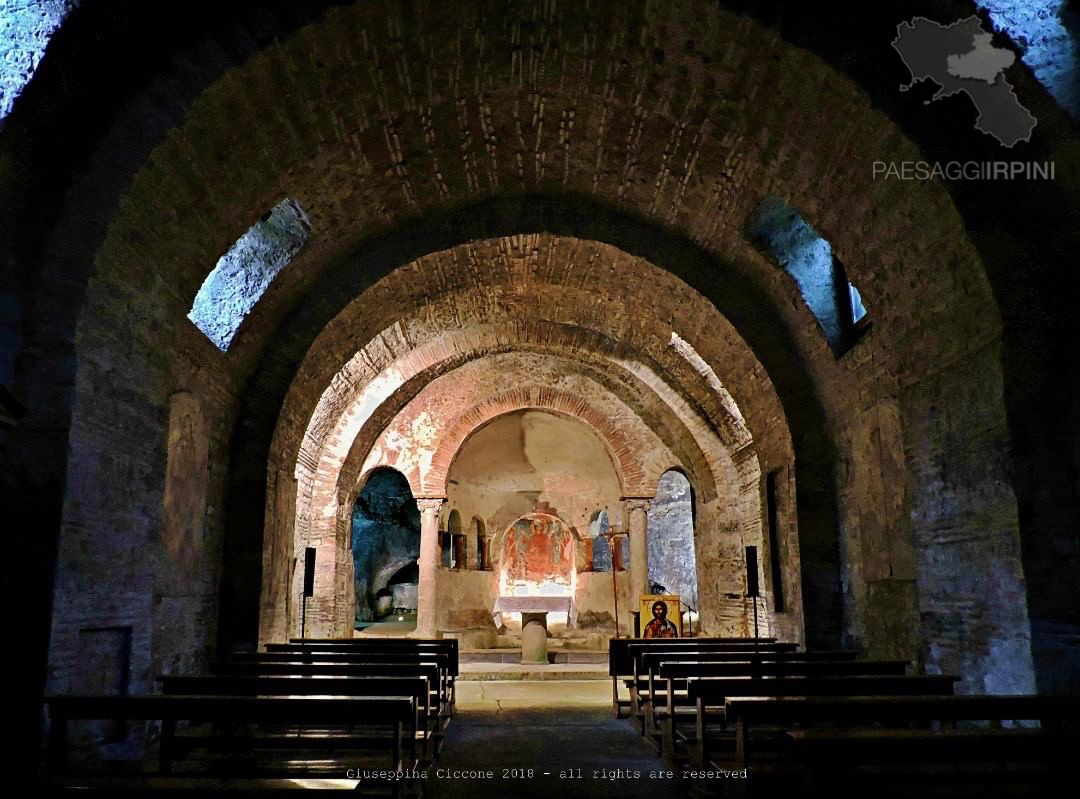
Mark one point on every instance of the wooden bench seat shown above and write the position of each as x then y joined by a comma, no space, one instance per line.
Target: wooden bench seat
621,663
665,694
714,694
387,722
447,663
166,787
991,761
747,715
424,727
645,659
440,693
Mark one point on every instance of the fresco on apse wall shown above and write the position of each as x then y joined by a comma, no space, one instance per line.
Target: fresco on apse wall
538,557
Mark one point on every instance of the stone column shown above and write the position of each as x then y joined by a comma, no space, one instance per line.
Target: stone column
426,597
637,509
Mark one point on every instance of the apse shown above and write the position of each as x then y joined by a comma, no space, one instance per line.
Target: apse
537,477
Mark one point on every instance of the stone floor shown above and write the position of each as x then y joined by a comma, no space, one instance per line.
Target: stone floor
553,739
519,671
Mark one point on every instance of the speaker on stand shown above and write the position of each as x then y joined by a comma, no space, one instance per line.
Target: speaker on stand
309,587
752,584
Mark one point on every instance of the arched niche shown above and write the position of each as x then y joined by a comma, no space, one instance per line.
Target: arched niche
385,542
671,538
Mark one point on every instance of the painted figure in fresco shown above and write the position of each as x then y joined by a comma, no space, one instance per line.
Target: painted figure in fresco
660,627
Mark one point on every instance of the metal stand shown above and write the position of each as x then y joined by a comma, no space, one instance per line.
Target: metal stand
303,617
610,536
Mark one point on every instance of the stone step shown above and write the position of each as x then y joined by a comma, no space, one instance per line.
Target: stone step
486,672
506,655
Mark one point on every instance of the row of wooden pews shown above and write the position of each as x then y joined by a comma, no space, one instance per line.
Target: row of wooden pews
301,714
813,723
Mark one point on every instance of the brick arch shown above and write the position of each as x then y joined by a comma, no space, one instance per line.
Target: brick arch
620,448
572,326
333,450
338,468
679,434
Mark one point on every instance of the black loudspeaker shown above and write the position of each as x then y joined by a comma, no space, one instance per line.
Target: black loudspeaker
751,571
309,571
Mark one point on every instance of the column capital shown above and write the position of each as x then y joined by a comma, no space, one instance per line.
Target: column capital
429,503
637,503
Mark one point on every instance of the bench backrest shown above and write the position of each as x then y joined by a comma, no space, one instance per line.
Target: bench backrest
298,710
395,668
449,646
715,690
679,669
907,708
247,685
620,660
651,657
381,645
445,661
450,643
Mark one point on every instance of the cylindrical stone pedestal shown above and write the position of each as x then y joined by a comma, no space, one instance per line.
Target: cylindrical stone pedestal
534,638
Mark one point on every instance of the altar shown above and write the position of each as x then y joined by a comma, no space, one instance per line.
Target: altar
534,611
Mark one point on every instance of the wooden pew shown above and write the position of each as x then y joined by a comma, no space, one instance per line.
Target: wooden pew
316,647
450,643
716,692
447,662
674,675
416,688
637,649
902,737
621,663
647,660
430,670
390,718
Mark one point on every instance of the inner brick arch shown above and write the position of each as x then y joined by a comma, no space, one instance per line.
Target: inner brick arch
427,317
406,350
323,461
674,432
620,448
746,304
327,526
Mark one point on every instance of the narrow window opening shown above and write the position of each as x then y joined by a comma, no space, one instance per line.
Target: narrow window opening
483,554
27,28
1048,33
242,275
858,310
453,543
821,279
